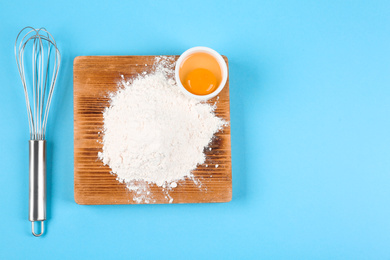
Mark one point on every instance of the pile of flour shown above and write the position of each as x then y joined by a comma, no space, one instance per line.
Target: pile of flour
153,134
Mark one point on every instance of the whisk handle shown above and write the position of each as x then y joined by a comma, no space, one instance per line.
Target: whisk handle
37,205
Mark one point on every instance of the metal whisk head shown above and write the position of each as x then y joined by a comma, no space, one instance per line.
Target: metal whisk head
38,89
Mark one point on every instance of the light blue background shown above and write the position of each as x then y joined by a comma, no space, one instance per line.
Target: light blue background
310,117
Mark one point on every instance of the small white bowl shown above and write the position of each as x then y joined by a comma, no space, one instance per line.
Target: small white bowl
222,65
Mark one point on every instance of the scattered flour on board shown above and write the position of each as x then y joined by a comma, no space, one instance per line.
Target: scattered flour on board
153,134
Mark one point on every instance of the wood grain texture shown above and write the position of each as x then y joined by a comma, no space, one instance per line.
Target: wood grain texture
94,78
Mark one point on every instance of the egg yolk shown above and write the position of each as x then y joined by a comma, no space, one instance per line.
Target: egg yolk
201,82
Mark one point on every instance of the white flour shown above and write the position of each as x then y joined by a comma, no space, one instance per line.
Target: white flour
153,134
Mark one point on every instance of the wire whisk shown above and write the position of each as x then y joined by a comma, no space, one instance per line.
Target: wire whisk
38,98
38,71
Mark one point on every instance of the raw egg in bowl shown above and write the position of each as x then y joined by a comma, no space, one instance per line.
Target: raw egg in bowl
201,73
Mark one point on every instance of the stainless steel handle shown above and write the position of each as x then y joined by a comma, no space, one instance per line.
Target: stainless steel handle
37,211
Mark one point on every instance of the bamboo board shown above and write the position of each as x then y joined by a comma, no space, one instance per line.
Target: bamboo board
94,78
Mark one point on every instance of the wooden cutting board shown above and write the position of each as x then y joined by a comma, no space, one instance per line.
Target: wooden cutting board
94,78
